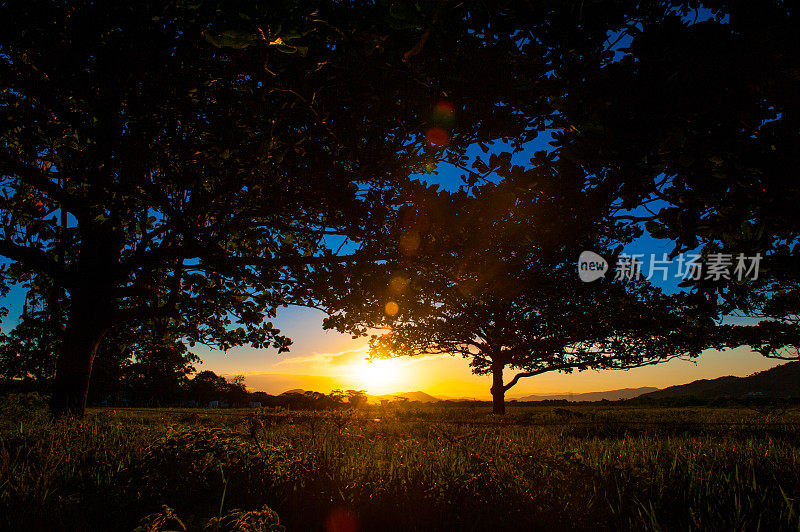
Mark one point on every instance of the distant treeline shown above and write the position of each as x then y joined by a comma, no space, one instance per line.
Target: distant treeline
206,389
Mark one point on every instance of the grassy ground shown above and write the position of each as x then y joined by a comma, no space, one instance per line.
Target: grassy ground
589,467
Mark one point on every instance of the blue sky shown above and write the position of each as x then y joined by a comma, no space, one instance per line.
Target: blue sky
337,359
324,360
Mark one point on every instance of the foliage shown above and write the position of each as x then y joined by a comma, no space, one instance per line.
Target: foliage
27,352
23,407
263,519
491,276
207,386
191,161
142,364
356,398
612,467
191,468
690,127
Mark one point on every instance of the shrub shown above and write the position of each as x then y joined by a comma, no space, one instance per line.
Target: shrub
27,407
194,468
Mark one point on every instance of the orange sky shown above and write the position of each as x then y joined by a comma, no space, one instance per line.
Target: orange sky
325,360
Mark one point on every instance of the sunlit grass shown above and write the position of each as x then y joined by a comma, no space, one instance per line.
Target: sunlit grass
392,468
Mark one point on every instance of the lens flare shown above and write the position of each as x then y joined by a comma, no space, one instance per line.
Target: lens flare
444,114
341,520
438,137
391,308
409,242
398,284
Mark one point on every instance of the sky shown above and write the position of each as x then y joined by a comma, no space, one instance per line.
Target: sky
325,360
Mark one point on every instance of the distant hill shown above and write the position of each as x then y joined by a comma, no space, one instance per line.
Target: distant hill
422,397
780,381
611,395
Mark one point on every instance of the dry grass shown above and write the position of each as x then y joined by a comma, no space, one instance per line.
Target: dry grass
402,469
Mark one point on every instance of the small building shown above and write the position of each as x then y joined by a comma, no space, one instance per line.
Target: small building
255,404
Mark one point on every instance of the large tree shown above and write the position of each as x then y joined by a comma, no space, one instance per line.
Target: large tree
143,363
190,160
196,159
492,276
692,126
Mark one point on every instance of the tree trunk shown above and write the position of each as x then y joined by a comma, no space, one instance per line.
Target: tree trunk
498,392
85,330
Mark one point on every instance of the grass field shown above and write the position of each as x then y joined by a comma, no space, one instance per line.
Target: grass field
390,468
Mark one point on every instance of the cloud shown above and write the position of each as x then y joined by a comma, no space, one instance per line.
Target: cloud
343,360
325,361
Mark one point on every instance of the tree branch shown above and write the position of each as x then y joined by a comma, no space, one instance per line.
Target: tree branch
36,259
524,374
586,365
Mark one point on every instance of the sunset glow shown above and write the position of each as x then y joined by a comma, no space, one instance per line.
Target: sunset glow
382,376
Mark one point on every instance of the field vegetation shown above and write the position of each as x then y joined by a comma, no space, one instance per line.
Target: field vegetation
393,467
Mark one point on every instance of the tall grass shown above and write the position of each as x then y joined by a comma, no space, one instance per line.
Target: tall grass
393,469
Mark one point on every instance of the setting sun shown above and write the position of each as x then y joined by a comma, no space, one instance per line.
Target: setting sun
381,376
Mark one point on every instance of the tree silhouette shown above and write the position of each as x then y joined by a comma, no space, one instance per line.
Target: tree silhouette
191,161
237,392
156,366
200,162
492,276
356,398
692,128
207,386
144,365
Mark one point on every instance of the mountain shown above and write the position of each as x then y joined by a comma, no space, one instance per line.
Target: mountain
780,381
611,395
422,397
277,383
457,399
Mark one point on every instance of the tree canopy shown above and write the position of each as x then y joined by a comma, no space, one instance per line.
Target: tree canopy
192,160
691,129
201,163
492,276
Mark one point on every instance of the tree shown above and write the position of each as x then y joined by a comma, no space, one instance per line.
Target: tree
191,161
693,128
26,355
337,397
491,276
155,366
27,351
356,398
146,364
207,386
237,391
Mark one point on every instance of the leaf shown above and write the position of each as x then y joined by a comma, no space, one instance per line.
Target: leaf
653,227
238,39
